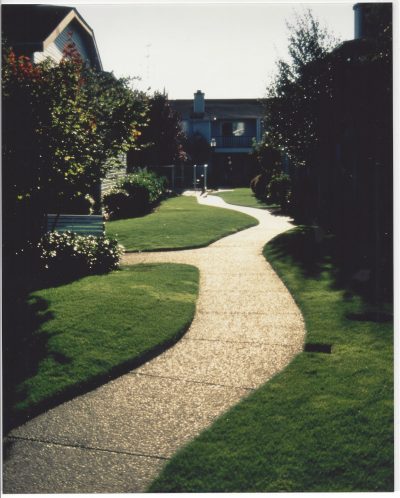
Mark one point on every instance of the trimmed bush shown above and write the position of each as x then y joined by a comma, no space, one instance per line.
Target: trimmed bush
135,195
278,189
65,255
116,204
155,185
259,186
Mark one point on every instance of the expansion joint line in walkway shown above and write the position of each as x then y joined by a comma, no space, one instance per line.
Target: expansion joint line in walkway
248,313
190,381
231,341
84,447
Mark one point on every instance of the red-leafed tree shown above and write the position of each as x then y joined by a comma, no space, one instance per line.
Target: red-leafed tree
161,139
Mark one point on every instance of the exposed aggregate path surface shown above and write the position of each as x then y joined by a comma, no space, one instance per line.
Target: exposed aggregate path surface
118,437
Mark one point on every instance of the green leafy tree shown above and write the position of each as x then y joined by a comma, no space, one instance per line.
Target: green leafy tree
290,120
292,117
197,148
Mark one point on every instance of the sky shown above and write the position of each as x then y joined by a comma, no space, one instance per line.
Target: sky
227,49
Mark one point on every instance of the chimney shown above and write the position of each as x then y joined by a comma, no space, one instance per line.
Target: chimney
198,102
371,19
357,21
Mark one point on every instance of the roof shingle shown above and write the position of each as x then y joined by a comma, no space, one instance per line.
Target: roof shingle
222,108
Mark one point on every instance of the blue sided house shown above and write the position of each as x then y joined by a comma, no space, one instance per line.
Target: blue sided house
229,127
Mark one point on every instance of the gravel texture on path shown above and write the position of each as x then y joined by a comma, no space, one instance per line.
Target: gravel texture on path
117,438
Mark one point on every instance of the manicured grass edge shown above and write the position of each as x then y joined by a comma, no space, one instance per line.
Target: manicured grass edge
19,418
266,207
253,221
194,246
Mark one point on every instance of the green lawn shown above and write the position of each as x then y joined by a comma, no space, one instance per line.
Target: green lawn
244,197
178,223
323,424
95,327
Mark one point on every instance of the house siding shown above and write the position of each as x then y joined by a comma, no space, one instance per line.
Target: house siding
55,49
202,127
112,178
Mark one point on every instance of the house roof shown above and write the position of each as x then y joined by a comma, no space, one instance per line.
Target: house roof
31,23
32,27
222,108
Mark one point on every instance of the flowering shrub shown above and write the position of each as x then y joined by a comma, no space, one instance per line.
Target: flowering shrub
134,195
69,254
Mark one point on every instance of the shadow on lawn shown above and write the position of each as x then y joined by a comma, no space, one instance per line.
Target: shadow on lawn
23,346
23,315
354,268
306,247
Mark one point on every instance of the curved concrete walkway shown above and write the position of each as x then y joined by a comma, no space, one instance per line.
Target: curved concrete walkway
117,438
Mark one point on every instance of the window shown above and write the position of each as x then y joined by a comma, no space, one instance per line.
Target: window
233,129
238,128
185,127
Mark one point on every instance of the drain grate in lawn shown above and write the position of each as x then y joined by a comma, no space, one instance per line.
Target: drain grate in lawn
312,347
